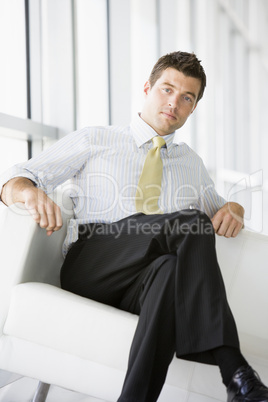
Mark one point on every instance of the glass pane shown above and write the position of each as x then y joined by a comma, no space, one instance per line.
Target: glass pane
13,95
92,62
12,151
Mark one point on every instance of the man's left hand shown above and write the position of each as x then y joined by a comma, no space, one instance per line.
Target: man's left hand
229,220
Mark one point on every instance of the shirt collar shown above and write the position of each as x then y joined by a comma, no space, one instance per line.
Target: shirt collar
143,133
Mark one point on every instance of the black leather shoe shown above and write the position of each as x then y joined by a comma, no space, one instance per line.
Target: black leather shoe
246,386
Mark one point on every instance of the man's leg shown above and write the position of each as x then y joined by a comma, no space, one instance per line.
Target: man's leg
193,260
128,272
153,346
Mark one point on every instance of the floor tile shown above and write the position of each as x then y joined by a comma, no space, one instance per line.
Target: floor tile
57,394
173,394
23,390
6,378
193,397
207,381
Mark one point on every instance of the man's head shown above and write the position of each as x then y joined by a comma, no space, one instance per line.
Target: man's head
175,86
186,63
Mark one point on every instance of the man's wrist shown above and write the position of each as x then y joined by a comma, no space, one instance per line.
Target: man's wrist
15,190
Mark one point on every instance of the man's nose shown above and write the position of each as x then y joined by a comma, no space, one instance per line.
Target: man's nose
173,102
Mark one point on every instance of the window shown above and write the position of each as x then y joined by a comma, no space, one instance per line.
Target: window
13,97
92,63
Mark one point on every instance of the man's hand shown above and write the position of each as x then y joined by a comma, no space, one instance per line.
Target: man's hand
229,220
43,210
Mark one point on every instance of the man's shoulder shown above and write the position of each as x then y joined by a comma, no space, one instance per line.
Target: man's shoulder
108,133
184,150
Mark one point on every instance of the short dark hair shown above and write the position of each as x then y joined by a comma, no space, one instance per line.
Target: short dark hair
187,63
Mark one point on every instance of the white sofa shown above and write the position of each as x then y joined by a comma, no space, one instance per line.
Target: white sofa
72,342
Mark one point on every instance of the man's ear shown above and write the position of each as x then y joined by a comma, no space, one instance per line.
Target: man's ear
146,88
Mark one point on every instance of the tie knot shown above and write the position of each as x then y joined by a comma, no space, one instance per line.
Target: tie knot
158,142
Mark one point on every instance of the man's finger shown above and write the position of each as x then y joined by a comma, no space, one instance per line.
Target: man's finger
237,229
35,214
58,218
216,222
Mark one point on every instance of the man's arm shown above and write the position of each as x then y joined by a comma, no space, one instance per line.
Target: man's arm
43,210
229,220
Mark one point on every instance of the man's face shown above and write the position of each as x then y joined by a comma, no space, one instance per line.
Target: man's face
170,101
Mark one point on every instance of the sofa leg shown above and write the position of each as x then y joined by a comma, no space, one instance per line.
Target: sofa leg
41,392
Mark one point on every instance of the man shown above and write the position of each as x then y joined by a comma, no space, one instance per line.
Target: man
144,242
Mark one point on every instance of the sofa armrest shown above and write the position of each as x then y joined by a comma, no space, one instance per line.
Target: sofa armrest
27,253
243,262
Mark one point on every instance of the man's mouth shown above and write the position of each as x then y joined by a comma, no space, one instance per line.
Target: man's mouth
169,115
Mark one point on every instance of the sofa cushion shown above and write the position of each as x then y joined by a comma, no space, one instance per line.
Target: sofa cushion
60,320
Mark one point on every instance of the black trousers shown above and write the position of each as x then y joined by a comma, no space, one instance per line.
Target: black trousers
163,268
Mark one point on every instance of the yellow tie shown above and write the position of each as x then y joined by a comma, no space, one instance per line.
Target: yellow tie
149,186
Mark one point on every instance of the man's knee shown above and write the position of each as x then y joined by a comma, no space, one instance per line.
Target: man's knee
189,222
201,224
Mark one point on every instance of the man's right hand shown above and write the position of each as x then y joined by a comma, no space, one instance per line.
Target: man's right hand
43,210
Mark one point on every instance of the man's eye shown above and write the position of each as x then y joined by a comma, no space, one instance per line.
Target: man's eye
167,90
188,99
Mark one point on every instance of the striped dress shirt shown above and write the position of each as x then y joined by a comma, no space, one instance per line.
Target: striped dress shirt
102,166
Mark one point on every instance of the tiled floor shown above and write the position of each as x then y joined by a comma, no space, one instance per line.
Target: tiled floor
14,388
